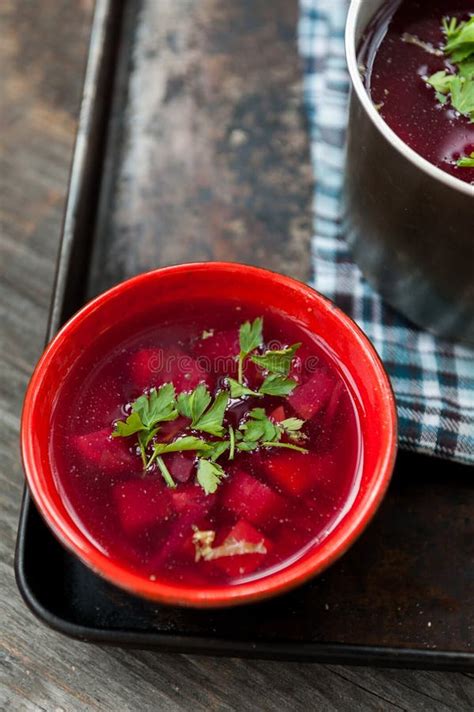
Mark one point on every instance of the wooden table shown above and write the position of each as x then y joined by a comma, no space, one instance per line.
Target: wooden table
42,52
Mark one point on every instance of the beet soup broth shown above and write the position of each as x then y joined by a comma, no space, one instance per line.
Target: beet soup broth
274,454
420,77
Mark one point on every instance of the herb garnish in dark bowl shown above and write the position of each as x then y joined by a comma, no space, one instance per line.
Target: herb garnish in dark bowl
419,70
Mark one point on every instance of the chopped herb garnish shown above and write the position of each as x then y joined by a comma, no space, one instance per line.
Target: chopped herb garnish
457,86
231,442
124,428
185,444
165,472
192,405
209,475
277,361
216,449
275,385
292,428
211,421
460,38
466,161
250,338
156,407
237,390
260,431
147,411
206,414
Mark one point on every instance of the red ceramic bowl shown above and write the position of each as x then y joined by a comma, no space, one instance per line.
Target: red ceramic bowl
375,403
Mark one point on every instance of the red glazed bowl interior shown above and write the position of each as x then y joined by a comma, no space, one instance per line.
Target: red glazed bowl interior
364,375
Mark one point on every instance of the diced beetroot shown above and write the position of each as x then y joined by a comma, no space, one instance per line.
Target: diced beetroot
251,499
218,353
295,473
170,429
153,367
110,455
333,405
180,465
193,500
239,409
287,540
309,398
278,414
142,503
178,541
241,564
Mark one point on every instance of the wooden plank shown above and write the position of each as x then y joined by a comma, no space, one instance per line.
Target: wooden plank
42,50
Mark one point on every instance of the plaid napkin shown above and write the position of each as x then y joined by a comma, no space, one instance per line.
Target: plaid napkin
433,378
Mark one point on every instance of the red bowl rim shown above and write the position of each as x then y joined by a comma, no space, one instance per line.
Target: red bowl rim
348,530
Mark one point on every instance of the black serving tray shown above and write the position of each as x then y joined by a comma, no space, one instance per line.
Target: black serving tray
402,596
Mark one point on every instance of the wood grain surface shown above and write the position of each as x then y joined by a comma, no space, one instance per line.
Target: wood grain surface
43,44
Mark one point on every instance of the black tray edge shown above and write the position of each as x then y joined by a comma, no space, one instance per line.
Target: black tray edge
69,288
294,652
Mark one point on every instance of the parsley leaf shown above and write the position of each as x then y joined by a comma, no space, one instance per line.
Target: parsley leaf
124,428
209,475
275,385
157,406
462,96
292,428
147,411
466,161
216,449
186,443
276,361
459,50
250,337
211,421
192,405
466,69
440,81
459,88
260,431
460,39
259,427
237,390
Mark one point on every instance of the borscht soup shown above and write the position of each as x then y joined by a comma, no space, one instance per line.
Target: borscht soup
206,443
417,61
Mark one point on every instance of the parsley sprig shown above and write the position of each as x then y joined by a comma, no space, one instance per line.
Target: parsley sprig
260,431
250,338
276,363
457,86
195,405
147,412
207,434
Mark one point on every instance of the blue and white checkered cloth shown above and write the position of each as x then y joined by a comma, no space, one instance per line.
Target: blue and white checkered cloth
433,379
